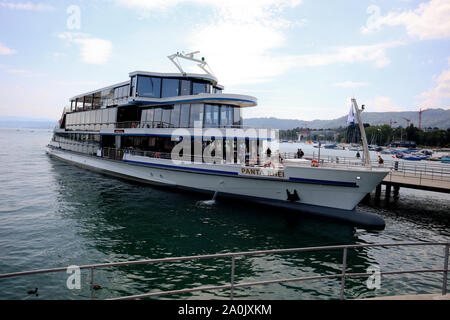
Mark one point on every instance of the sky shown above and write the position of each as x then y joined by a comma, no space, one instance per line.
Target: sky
302,59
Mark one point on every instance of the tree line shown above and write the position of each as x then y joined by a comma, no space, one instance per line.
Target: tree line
381,135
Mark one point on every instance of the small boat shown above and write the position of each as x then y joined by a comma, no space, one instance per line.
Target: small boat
445,159
412,157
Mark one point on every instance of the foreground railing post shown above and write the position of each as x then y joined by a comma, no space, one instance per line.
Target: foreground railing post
444,281
232,278
92,283
344,266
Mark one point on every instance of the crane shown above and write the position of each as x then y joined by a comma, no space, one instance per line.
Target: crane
407,121
420,117
391,122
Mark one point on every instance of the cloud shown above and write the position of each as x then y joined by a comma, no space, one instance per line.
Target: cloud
92,50
384,104
28,6
5,50
242,38
429,21
438,95
350,84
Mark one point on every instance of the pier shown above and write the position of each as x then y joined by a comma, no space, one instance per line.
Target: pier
421,176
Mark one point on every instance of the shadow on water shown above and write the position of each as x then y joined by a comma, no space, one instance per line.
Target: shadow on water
127,221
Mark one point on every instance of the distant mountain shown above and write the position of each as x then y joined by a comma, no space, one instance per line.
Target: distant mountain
439,118
23,122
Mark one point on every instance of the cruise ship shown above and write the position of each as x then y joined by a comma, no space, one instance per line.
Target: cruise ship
179,130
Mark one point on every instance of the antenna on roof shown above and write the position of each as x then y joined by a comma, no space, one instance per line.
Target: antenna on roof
190,56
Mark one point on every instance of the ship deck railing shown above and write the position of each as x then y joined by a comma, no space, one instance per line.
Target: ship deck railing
232,285
428,170
97,126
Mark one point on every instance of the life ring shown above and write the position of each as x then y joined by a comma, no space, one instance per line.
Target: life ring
314,163
157,155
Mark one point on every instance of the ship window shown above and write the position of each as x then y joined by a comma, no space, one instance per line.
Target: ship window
184,117
107,96
148,87
133,86
226,115
87,102
211,115
198,87
157,117
185,87
175,116
147,117
79,104
196,114
237,119
170,87
217,90
97,100
166,116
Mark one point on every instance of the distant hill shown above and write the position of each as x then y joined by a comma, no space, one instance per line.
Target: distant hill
439,118
22,122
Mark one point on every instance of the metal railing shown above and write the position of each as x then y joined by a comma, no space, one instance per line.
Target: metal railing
343,275
423,170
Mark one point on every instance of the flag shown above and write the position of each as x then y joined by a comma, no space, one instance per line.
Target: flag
351,116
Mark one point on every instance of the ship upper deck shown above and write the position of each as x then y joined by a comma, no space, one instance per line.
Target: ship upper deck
153,88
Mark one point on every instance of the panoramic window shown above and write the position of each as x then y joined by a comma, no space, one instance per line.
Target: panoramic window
184,115
170,87
166,115
237,119
226,115
157,117
211,115
148,87
198,87
175,116
185,87
217,90
196,114
87,102
97,100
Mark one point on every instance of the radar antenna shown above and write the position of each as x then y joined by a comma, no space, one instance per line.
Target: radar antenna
190,56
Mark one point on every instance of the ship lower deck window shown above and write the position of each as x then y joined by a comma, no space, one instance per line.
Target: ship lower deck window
184,115
211,115
196,114
175,116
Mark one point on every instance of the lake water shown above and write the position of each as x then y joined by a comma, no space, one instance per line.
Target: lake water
53,214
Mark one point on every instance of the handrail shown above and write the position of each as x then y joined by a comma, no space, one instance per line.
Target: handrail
343,275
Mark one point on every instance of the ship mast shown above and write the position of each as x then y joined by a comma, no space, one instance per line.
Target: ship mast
363,134
190,56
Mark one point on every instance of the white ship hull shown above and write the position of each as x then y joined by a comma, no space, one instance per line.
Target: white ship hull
333,188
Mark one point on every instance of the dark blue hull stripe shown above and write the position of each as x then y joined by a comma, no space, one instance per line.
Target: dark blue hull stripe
326,182
183,168
302,180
